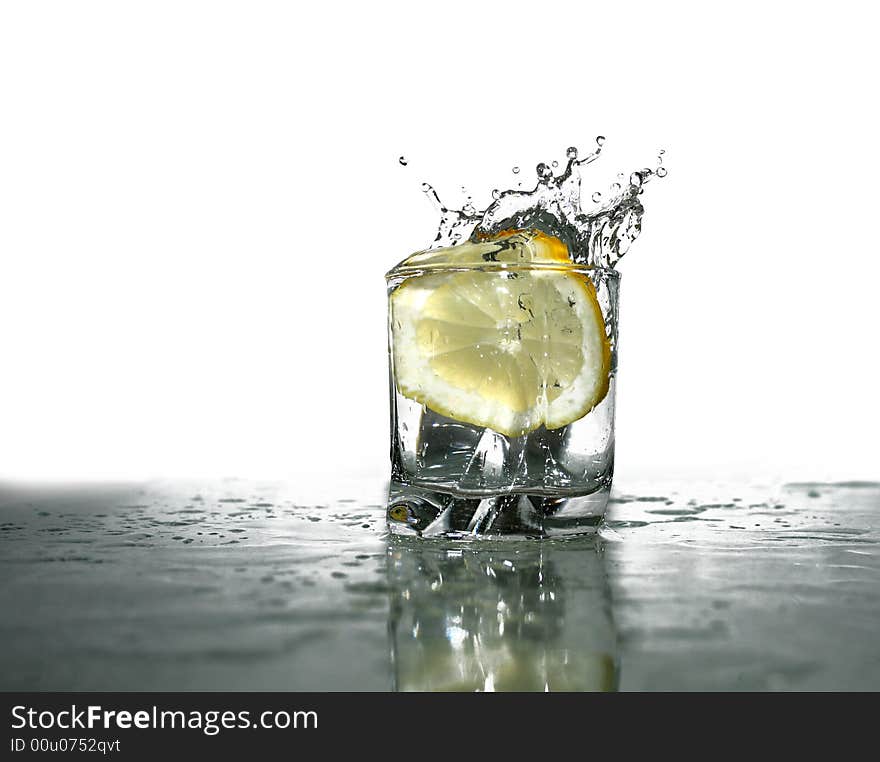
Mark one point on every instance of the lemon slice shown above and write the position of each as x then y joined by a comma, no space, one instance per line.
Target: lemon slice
505,347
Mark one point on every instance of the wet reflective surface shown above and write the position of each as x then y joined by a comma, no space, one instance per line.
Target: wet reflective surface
234,585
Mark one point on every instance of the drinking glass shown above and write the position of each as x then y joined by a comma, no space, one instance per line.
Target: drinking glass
450,478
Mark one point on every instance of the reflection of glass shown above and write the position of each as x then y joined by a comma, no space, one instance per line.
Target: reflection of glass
502,617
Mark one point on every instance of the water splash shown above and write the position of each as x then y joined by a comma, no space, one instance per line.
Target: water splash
598,237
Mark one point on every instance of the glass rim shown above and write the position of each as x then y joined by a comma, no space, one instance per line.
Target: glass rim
431,269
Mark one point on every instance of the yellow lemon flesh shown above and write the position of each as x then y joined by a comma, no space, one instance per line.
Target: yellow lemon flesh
515,345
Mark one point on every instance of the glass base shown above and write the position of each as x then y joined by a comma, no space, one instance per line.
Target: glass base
429,512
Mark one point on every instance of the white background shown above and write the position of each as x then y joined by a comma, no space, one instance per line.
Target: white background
198,202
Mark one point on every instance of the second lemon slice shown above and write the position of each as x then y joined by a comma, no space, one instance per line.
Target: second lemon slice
509,348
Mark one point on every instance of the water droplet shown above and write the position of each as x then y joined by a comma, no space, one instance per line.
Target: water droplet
403,161
558,194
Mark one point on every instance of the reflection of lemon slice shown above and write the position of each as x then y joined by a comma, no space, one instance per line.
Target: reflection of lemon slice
502,347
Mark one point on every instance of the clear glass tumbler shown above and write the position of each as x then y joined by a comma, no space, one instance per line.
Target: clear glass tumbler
451,477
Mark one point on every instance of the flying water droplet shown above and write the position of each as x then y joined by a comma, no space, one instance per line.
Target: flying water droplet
600,140
403,161
554,164
429,191
598,236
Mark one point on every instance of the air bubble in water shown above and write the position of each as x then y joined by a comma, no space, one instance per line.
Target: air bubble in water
403,161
